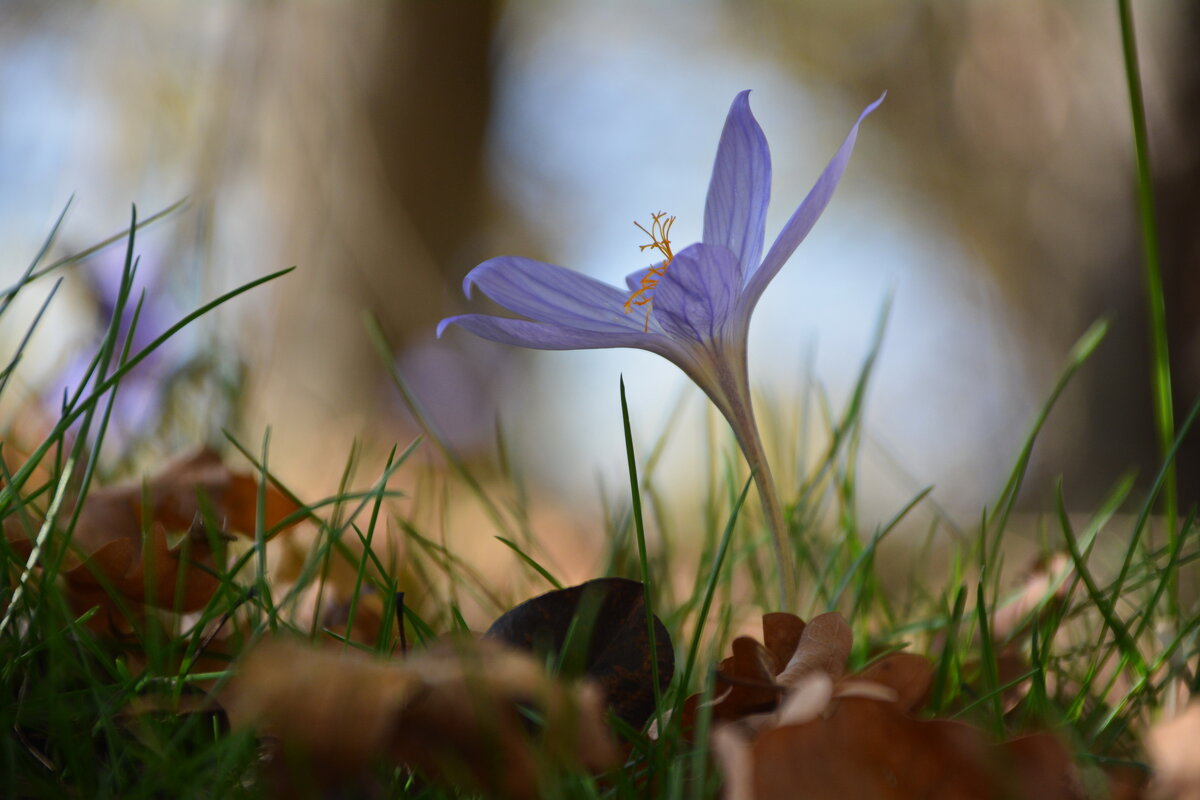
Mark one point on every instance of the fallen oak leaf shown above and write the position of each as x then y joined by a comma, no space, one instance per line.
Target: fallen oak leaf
781,634
868,748
458,712
824,645
749,675
750,683
840,736
908,674
615,646
123,535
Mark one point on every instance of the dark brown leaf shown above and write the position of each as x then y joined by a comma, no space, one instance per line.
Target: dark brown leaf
617,653
781,635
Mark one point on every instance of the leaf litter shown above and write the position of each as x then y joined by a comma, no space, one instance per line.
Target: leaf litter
555,685
157,543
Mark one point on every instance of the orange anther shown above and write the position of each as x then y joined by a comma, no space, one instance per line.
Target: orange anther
659,233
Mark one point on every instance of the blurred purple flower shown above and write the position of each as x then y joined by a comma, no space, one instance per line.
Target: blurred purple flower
139,394
697,302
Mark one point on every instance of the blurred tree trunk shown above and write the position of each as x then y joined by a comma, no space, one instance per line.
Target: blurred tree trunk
375,161
1175,155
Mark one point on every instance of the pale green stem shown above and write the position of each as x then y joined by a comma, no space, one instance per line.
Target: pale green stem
731,395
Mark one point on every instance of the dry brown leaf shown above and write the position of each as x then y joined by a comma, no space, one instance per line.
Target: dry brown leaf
452,712
750,685
870,749
850,736
824,645
1174,749
615,648
1126,782
781,635
1040,765
807,700
747,679
173,570
908,674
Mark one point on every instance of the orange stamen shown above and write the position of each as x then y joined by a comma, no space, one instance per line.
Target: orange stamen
659,233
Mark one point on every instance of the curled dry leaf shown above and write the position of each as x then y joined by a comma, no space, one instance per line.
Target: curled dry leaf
149,541
749,675
831,735
453,712
751,683
614,647
824,646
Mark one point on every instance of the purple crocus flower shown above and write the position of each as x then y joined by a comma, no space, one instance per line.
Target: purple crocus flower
693,308
140,396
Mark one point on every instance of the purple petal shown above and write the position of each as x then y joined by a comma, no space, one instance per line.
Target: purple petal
735,214
548,336
549,293
698,293
805,216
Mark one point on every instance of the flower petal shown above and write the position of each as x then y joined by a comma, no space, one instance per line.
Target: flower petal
549,336
804,217
735,213
698,293
550,293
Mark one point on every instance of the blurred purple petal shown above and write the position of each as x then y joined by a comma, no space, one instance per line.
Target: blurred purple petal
695,299
805,216
735,213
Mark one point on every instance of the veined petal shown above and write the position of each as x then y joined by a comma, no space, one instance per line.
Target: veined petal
549,336
698,293
735,214
804,217
550,293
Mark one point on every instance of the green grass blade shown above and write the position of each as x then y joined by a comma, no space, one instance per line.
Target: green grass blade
1079,354
639,528
1160,361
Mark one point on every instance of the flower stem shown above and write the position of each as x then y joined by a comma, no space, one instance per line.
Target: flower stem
734,402
752,447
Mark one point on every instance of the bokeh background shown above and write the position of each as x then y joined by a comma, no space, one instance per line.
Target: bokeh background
386,148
